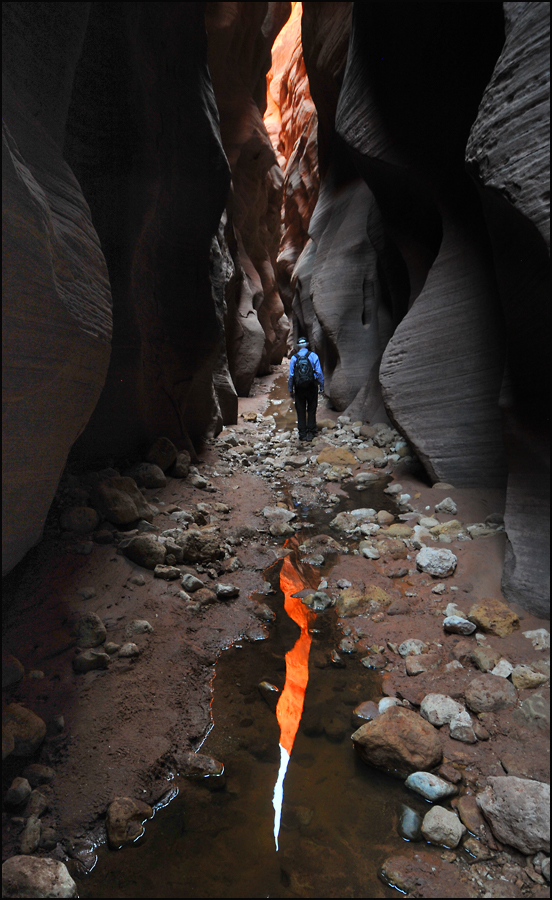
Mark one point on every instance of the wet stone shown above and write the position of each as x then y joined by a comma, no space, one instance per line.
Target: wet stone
429,786
124,821
270,694
374,661
410,824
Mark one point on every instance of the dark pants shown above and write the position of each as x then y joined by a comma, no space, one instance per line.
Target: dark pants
306,401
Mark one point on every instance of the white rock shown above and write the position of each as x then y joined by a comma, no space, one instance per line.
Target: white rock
540,638
447,506
442,827
439,588
436,562
461,728
403,499
393,489
455,664
428,522
387,703
453,610
439,709
278,514
503,668
412,647
429,786
370,553
33,876
458,625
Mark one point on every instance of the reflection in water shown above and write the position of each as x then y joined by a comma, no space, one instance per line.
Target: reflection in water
290,704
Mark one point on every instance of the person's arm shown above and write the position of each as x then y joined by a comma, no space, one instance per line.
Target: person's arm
291,371
317,370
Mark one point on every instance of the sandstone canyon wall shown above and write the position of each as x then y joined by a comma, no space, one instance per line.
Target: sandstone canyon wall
56,295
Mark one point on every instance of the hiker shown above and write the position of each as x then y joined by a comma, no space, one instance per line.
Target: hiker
304,372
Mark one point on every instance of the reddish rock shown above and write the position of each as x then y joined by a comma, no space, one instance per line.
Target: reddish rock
399,742
488,693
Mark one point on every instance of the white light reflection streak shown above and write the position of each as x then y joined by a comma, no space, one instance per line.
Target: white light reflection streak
279,793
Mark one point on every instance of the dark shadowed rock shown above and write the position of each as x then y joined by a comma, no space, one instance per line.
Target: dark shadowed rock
23,731
124,821
145,551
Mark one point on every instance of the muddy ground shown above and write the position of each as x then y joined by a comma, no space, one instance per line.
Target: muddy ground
122,727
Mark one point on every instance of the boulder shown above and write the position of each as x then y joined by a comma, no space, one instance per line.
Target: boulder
442,827
439,563
147,475
518,811
524,677
487,693
399,742
89,660
80,519
162,453
119,500
90,631
181,466
124,821
198,547
145,551
22,731
33,876
439,709
494,617
18,793
12,671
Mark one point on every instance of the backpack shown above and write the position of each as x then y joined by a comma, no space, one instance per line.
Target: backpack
303,373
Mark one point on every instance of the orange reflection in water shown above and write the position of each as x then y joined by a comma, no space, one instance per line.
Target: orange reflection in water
290,704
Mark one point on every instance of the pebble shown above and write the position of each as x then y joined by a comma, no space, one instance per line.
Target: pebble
387,703
458,625
138,579
226,591
430,786
191,583
129,650
461,728
38,774
439,588
87,593
138,626
412,647
168,573
503,668
447,506
347,646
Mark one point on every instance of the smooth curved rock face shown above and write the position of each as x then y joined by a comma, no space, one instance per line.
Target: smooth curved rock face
508,156
56,293
143,138
240,37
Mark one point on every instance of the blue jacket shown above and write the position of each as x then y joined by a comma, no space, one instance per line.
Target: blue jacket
315,363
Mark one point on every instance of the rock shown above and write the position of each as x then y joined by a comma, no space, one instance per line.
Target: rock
485,658
412,647
439,563
204,597
348,521
399,530
18,793
104,536
439,709
226,591
278,514
415,665
449,529
374,661
458,625
318,601
189,764
493,617
503,669
181,466
198,547
110,647
387,703
37,805
487,693
34,876
49,837
479,530
367,710
12,671
120,501
518,811
22,732
168,573
470,815
364,478
368,551
89,660
90,631
84,852
339,456
429,786
281,529
147,475
399,742
399,872
442,827
124,821
540,638
30,838
191,583
524,677
410,824
446,506
128,651
138,626
198,481
461,728
369,454
145,551
80,519
162,453
384,518
270,694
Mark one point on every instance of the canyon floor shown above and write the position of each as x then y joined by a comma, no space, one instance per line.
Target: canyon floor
118,732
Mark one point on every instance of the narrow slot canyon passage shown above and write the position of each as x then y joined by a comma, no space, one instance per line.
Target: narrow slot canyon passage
240,659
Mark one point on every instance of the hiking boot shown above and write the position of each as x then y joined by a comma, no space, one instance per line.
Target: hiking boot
310,437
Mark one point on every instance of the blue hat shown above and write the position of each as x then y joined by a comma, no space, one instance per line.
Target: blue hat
302,342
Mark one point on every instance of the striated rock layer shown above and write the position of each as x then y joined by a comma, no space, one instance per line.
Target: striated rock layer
56,293
508,156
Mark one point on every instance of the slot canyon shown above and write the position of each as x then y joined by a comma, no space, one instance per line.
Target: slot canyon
239,662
